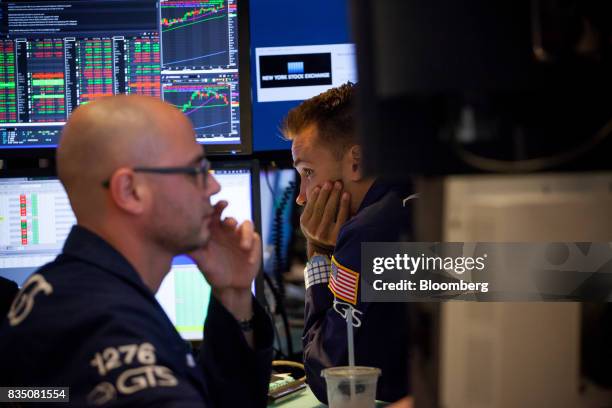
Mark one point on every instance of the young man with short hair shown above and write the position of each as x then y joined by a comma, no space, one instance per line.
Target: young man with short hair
342,209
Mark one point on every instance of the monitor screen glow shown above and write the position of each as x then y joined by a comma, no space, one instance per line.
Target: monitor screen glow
184,294
58,55
36,217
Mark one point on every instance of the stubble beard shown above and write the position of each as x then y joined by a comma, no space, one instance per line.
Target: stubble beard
180,241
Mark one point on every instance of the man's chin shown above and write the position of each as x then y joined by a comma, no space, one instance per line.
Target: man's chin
198,244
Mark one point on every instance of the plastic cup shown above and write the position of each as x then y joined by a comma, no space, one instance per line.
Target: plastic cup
351,386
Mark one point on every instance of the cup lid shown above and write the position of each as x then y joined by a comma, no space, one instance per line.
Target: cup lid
351,372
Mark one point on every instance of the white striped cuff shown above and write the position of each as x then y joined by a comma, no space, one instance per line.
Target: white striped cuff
317,270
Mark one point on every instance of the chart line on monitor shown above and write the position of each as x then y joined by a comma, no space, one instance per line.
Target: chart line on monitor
190,24
196,58
213,125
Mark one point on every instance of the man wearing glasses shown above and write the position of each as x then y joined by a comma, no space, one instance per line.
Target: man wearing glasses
140,188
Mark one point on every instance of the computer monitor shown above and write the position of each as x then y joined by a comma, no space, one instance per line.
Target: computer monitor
58,55
184,294
477,86
314,39
36,217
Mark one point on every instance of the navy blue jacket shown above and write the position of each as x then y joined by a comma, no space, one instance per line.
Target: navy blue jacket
87,321
8,290
382,339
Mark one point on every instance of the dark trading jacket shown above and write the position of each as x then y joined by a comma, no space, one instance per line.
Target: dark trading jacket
8,290
382,339
88,322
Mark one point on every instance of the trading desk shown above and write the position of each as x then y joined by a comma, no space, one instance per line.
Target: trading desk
301,399
306,399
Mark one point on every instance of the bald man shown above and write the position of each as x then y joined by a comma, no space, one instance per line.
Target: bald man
139,185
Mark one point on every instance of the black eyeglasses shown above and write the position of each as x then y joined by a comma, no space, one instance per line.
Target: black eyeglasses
202,168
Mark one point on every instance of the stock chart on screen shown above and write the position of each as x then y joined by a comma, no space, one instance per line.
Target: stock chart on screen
208,26
56,56
206,100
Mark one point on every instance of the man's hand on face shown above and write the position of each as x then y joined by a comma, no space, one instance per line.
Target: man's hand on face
325,212
230,261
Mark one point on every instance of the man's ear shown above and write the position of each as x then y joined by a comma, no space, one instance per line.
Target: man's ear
126,192
354,158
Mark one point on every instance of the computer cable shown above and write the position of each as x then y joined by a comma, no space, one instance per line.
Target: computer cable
280,308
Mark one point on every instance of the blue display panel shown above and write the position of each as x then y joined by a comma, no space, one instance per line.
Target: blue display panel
279,24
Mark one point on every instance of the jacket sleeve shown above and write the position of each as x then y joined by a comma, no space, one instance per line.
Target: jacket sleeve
324,339
236,375
325,336
380,341
133,362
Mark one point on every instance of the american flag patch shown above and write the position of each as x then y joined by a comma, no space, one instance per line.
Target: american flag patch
343,282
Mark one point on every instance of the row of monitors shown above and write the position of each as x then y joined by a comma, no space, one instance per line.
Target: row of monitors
36,217
194,54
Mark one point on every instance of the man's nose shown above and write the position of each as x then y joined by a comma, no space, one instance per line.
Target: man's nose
212,185
301,198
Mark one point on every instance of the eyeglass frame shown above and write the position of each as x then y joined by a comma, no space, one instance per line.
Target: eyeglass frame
203,168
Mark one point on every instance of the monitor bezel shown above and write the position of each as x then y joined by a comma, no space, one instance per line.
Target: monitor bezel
244,88
48,173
